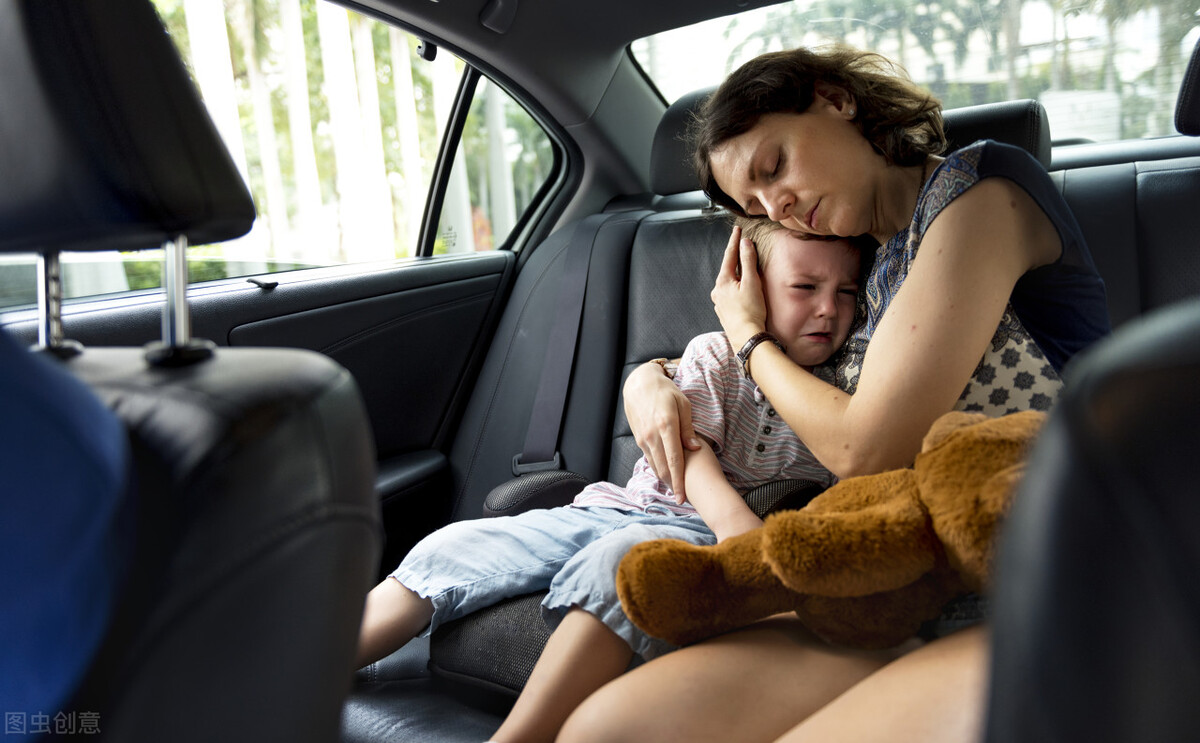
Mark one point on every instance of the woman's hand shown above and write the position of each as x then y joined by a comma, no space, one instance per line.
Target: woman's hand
737,295
661,418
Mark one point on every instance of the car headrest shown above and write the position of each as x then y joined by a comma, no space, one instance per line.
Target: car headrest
1022,123
1187,108
671,169
104,142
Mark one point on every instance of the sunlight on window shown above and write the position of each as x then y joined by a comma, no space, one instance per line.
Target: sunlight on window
335,122
1103,70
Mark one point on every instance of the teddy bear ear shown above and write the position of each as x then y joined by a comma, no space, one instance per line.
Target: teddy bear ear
948,424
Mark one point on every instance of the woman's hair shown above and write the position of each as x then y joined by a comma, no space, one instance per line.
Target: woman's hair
902,121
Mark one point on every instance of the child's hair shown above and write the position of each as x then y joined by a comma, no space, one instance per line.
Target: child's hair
761,231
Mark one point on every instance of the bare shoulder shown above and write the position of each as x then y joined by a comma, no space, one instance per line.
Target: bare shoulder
999,223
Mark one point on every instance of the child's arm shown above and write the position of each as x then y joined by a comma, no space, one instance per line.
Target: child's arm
721,507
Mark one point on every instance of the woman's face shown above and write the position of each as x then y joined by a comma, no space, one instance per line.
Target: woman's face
810,288
806,171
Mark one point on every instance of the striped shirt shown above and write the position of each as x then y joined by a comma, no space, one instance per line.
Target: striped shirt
752,443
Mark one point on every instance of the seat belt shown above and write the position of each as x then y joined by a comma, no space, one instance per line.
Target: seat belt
540,451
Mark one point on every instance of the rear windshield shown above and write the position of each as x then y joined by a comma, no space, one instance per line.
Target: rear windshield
1104,70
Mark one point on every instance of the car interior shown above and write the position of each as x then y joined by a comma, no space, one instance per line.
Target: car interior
251,469
295,434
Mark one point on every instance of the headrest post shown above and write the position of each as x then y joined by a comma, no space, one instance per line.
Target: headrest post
177,347
50,296
49,289
177,320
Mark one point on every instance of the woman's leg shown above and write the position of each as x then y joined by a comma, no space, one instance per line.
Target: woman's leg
594,641
581,656
935,693
746,686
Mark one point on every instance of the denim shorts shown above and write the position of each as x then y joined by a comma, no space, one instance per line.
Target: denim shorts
572,552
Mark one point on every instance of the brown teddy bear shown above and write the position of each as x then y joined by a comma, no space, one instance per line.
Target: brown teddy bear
864,564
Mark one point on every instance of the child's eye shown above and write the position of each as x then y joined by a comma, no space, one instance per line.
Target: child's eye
808,287
849,292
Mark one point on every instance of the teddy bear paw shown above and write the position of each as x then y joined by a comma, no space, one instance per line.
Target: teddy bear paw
684,593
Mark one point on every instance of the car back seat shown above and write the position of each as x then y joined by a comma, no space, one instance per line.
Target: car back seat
1142,225
646,296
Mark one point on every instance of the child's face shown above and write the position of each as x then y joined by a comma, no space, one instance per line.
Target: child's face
810,288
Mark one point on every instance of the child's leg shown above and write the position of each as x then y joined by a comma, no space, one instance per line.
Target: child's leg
594,642
581,656
467,565
392,616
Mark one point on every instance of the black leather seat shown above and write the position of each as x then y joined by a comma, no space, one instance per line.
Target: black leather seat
1096,624
257,531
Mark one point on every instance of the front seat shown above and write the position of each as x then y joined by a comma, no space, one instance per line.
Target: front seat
253,528
1096,607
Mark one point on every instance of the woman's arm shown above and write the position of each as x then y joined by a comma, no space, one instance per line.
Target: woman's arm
926,346
721,507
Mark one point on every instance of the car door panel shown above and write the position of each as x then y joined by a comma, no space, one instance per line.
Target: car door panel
408,350
408,332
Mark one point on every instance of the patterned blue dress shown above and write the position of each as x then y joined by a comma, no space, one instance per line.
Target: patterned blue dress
1054,311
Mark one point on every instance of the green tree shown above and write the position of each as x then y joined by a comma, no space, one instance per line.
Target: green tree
247,19
306,181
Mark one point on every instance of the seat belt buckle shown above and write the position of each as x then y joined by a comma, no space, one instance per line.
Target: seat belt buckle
519,469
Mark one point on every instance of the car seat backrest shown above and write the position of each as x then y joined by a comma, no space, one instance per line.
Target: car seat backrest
255,529
64,460
1141,219
674,261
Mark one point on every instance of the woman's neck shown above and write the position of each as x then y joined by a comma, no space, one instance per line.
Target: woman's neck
898,197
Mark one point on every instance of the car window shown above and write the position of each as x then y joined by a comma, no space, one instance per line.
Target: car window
336,122
504,158
1103,70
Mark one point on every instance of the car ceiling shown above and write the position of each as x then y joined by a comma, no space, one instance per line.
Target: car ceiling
569,57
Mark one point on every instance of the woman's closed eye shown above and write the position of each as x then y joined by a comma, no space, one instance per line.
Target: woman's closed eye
769,169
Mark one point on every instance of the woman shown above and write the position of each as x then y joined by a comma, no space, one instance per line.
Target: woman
1000,294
